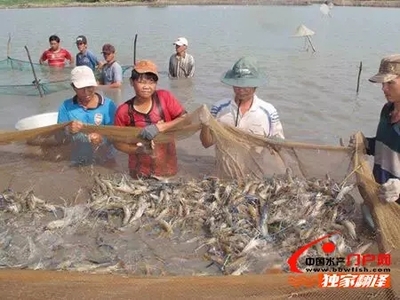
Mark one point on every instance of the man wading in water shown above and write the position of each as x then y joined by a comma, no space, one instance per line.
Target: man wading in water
155,111
87,107
246,111
55,55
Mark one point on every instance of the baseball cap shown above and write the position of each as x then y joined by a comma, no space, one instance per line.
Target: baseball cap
108,48
83,76
81,39
181,41
146,66
389,69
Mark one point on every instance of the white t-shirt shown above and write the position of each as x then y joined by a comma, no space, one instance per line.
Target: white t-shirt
261,119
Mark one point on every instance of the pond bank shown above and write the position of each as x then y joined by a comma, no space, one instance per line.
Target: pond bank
163,3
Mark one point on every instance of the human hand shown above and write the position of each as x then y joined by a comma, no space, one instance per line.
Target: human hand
352,142
75,127
95,138
142,149
101,64
390,191
149,132
204,116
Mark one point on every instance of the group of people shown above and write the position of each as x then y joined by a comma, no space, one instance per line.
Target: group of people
109,70
181,63
156,110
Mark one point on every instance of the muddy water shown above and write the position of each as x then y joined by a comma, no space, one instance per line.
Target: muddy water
314,93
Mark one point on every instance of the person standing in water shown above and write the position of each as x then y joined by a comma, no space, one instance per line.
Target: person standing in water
55,55
181,64
85,57
86,107
245,111
154,110
111,71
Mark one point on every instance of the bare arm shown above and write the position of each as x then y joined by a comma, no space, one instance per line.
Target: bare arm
165,126
115,85
206,137
191,69
126,148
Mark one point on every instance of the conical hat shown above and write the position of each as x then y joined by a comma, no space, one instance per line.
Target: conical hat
303,31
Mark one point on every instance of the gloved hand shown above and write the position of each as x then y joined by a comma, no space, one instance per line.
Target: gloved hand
149,132
352,143
204,116
390,191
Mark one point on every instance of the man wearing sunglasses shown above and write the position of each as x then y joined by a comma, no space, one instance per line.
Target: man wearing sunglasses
111,73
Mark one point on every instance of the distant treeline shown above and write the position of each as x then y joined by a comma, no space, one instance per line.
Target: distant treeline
98,1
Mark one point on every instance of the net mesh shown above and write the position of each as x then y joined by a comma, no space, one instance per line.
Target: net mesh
50,80
265,199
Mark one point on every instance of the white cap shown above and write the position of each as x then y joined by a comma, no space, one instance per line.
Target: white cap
181,41
83,76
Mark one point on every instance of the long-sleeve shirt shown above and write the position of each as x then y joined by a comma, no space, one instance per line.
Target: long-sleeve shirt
385,147
181,67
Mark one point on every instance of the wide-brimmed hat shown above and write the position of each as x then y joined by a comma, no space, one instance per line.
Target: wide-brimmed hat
244,73
389,69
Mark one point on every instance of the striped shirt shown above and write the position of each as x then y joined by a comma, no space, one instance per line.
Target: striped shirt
261,119
181,67
385,147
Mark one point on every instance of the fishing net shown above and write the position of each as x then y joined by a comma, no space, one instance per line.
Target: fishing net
249,204
17,78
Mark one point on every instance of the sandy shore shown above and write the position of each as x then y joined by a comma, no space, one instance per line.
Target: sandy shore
161,3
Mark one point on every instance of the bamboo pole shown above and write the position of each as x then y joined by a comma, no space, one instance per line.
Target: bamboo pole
8,45
36,82
134,49
358,78
312,46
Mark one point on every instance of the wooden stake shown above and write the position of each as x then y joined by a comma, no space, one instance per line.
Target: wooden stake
8,45
134,50
36,82
358,78
309,40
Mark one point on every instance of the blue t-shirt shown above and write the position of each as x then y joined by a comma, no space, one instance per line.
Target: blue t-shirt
82,151
87,59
